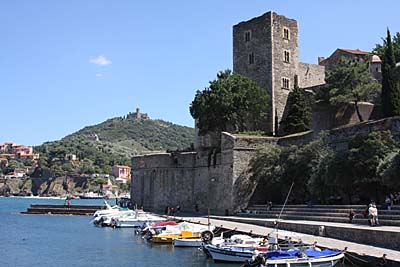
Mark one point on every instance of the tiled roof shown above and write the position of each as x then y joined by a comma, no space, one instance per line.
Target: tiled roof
355,52
121,166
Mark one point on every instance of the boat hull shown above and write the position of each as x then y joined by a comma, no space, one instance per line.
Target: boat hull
185,242
229,254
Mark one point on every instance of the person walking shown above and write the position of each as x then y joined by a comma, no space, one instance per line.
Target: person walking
373,215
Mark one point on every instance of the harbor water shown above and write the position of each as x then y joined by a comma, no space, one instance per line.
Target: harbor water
49,240
46,240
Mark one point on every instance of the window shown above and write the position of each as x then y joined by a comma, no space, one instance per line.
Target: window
285,83
286,56
251,58
286,33
247,36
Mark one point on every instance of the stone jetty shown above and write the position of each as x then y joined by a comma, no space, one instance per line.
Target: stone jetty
63,209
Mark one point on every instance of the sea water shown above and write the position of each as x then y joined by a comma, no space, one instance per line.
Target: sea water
50,240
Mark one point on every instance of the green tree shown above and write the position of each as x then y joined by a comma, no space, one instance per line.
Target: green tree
230,101
390,83
351,82
395,41
320,183
365,156
389,170
299,117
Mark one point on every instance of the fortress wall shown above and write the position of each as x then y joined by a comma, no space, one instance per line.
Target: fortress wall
311,75
184,179
190,178
326,117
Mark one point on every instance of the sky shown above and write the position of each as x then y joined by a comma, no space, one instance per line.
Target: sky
68,64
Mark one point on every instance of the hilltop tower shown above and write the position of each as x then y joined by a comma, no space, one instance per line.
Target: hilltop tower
266,50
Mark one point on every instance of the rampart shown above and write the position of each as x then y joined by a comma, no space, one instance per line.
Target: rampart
221,180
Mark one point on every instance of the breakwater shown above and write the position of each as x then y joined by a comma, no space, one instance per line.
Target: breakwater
56,209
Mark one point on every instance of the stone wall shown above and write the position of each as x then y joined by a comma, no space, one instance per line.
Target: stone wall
222,181
311,75
326,117
203,178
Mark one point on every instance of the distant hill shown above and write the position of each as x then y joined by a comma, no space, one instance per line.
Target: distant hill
113,141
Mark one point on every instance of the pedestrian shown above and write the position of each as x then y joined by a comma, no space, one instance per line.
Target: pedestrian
69,203
196,208
352,214
366,214
373,215
388,203
166,210
178,209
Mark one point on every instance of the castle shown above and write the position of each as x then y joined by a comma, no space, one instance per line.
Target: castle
266,50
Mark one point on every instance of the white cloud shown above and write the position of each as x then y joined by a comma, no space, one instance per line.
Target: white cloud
100,60
99,74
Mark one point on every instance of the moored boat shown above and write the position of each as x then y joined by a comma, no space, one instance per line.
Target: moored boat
187,242
312,257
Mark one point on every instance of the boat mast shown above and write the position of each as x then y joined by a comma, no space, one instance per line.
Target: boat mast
283,207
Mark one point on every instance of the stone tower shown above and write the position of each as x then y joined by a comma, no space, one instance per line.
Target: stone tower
266,50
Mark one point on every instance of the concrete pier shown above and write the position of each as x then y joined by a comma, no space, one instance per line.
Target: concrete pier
63,209
248,226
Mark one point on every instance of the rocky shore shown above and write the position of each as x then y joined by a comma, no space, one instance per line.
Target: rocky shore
58,186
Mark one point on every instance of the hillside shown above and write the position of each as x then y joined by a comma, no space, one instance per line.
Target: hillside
114,141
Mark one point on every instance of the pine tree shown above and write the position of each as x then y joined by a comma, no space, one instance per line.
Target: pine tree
390,85
298,118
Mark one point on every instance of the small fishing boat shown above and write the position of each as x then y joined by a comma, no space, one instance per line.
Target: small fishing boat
187,242
182,230
365,261
312,257
237,248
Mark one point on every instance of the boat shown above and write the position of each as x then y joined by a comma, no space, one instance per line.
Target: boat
136,220
103,217
187,242
312,256
364,260
295,255
182,230
91,195
238,248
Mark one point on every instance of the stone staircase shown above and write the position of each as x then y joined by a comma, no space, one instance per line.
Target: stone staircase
323,213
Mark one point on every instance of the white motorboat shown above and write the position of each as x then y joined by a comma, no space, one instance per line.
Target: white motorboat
103,217
187,242
137,219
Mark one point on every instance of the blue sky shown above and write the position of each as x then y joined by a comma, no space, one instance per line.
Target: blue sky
65,64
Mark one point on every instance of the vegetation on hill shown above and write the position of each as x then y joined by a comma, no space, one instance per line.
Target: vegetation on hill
114,141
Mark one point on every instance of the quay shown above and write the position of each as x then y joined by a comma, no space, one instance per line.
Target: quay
255,227
63,209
